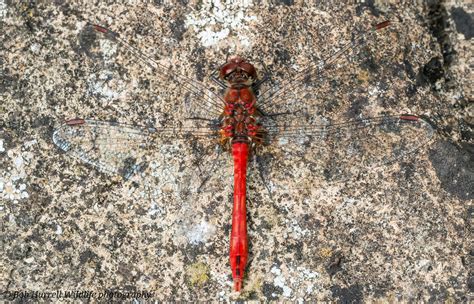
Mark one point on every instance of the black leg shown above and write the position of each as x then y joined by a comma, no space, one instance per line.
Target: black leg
206,174
256,85
219,82
265,78
260,167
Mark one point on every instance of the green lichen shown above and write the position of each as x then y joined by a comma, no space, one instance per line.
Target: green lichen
252,289
198,273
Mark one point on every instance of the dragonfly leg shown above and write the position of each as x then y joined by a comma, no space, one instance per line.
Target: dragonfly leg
266,77
204,177
258,161
257,84
216,79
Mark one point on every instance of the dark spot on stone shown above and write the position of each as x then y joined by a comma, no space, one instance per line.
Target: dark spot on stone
370,5
67,10
265,225
297,248
330,106
437,296
18,252
6,80
264,161
467,133
309,222
270,291
409,69
88,43
192,251
396,70
328,174
119,238
144,84
470,283
41,121
411,90
308,78
227,228
463,21
389,102
455,168
454,282
17,123
438,24
282,55
124,271
199,71
62,245
140,29
408,169
178,28
162,2
30,15
285,2
381,288
130,167
25,219
383,85
351,294
335,263
252,295
369,64
433,70
357,105
87,256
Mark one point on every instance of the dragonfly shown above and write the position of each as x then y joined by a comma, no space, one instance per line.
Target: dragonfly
275,126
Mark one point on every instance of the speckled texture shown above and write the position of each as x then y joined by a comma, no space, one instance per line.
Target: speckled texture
400,234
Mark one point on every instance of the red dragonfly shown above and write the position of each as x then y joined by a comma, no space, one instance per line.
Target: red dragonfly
272,125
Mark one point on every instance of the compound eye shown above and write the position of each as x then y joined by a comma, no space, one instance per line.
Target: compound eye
249,69
227,69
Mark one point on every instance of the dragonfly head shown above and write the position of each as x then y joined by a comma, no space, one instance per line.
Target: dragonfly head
237,71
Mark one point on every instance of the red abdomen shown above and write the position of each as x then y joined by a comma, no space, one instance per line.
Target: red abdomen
238,236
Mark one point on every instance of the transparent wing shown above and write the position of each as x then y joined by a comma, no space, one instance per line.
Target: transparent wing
173,94
184,157
312,90
305,148
180,151
309,153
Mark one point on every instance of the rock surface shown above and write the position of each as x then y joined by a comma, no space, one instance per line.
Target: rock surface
400,234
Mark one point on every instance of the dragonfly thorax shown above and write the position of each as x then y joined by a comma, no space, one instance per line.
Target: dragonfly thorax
239,124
